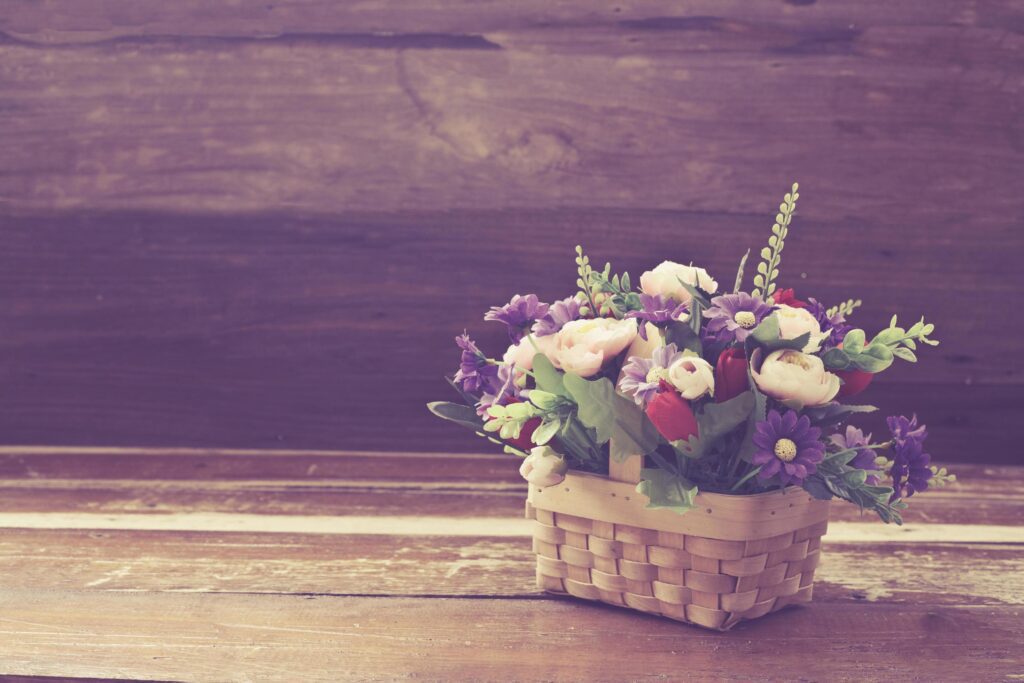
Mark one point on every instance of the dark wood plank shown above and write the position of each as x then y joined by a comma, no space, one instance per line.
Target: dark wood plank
231,637
257,225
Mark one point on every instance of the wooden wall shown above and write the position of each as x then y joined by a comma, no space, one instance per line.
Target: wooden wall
260,224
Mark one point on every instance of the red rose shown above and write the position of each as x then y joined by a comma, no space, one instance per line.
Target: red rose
671,414
730,374
524,441
854,382
785,297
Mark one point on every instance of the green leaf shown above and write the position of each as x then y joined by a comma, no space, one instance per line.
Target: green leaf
548,377
767,336
612,416
758,414
666,490
546,432
740,271
683,336
874,358
457,413
834,413
715,421
697,295
905,354
836,359
853,342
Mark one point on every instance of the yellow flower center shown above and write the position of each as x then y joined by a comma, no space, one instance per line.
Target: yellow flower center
745,319
656,375
785,450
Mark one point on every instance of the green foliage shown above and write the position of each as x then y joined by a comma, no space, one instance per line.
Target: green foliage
768,268
617,299
457,413
612,417
583,272
835,477
684,337
833,413
509,420
878,354
548,377
740,271
845,308
715,421
758,414
767,335
666,490
466,416
940,477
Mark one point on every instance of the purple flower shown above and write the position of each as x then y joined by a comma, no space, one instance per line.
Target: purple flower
865,457
519,314
642,376
657,310
787,446
558,314
475,373
836,327
503,391
911,469
734,316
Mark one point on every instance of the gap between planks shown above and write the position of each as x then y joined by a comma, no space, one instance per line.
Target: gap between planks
838,532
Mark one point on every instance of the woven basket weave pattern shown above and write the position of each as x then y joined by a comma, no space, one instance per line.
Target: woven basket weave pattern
705,581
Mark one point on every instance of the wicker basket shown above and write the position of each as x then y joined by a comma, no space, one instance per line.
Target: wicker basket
729,559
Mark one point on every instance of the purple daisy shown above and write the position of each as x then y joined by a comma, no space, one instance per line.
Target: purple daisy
865,457
911,469
734,316
787,446
504,390
475,373
657,310
836,327
558,314
642,376
519,314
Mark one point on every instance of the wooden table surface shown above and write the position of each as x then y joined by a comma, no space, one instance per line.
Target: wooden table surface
179,564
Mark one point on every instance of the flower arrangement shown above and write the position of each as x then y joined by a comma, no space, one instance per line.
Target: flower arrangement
733,392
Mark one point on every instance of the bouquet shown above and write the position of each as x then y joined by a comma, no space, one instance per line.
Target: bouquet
741,392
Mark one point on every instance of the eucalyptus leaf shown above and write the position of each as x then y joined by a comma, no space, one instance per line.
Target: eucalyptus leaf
853,342
836,359
546,432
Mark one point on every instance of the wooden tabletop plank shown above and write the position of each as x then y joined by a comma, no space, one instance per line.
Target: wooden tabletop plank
212,562
239,637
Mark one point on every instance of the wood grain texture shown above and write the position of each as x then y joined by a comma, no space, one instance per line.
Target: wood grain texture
289,638
244,576
259,225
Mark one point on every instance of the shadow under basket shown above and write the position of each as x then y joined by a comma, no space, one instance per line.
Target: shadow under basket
728,559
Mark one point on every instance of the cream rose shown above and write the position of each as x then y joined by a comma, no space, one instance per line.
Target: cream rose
692,376
664,281
582,347
543,467
796,321
788,374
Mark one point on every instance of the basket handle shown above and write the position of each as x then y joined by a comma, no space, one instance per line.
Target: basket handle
627,470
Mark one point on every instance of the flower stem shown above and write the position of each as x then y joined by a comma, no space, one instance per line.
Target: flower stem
745,478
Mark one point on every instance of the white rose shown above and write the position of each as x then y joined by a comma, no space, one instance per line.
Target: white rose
664,280
796,321
582,347
692,376
543,467
789,374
